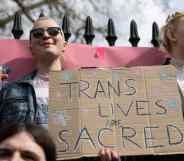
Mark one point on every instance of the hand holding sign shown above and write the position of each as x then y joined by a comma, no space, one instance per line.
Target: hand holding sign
108,154
3,76
4,70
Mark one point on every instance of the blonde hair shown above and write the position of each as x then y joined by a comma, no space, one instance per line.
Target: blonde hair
171,22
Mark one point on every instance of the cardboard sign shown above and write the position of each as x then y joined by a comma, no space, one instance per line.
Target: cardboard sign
136,111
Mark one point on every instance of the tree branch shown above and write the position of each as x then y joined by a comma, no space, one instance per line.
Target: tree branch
10,18
23,8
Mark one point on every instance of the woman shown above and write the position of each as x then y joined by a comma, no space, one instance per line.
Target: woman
172,39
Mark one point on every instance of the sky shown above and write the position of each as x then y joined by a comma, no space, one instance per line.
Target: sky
144,12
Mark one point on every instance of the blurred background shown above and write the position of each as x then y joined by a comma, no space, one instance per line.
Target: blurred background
144,12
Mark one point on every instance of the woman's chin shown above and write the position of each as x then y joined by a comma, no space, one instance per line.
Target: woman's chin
50,51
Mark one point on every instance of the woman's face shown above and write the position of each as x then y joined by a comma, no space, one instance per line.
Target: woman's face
21,147
178,37
46,46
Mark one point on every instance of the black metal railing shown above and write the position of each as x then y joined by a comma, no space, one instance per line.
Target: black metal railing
89,34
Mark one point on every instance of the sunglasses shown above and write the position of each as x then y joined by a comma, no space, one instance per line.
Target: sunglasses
38,33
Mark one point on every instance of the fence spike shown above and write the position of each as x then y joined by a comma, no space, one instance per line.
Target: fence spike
155,35
66,27
42,14
89,31
134,36
17,30
111,34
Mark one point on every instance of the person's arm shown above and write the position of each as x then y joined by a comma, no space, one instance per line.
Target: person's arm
109,155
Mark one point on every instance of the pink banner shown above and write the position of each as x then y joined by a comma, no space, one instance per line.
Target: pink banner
16,55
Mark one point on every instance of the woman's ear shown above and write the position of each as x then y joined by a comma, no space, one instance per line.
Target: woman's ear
30,48
171,34
64,46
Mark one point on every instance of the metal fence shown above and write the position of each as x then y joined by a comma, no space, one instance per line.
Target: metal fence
89,31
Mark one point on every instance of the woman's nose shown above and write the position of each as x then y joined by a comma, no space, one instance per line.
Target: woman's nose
45,35
16,157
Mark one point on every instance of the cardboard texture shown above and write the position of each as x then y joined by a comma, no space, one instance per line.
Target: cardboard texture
136,111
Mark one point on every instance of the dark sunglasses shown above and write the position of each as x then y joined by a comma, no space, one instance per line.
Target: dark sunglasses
39,32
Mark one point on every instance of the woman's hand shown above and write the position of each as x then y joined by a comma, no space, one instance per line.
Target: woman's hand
108,154
3,76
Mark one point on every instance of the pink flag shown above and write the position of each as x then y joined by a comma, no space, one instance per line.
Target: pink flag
16,55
